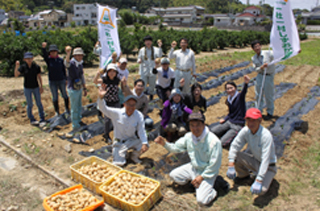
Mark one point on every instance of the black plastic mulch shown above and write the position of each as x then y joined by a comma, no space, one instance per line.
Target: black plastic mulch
286,124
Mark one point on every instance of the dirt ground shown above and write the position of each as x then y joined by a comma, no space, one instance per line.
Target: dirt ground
46,149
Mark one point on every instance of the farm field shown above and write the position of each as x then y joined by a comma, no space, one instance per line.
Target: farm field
295,187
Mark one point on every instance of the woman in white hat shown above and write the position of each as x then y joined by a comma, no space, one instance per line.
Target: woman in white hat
111,79
76,84
172,115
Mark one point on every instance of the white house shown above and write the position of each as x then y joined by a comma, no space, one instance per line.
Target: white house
85,14
2,15
313,15
250,16
179,15
48,18
223,20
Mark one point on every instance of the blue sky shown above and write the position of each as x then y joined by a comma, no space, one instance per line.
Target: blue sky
302,4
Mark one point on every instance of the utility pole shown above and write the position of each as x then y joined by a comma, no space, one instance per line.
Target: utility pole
248,2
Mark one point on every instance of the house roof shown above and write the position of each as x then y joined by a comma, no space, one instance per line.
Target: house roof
177,8
252,8
45,12
248,14
177,15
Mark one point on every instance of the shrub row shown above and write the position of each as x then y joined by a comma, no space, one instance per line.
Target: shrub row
12,47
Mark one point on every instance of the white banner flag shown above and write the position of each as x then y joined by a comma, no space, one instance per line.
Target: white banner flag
284,37
108,34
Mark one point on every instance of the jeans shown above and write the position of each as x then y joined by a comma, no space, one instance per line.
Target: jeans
148,122
36,93
267,92
161,92
107,121
54,86
76,107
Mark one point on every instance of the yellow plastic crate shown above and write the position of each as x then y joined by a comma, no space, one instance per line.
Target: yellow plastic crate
86,180
146,204
65,191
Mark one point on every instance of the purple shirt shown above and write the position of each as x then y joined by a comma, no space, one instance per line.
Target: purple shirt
166,113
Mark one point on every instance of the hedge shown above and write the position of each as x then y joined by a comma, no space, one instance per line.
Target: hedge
12,47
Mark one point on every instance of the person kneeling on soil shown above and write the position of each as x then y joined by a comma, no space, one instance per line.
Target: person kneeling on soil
127,123
32,85
259,156
165,81
205,152
172,115
234,121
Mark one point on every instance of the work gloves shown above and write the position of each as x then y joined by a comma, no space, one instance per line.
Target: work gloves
256,187
231,173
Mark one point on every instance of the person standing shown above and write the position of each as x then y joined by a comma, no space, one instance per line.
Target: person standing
146,57
129,132
76,84
259,156
205,152
32,86
260,62
185,64
57,75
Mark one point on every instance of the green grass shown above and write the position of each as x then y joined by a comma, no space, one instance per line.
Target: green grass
308,56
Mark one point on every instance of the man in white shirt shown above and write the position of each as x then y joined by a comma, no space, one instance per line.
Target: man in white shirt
185,64
146,58
260,61
165,79
259,156
127,122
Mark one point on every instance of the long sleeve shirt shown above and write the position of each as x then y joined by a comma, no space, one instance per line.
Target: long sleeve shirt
148,64
184,59
167,112
162,81
237,109
125,127
205,154
56,68
260,145
142,103
75,71
264,57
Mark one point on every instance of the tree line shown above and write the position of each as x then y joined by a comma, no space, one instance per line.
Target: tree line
13,47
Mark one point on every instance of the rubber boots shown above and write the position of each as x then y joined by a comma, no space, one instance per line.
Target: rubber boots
66,103
56,107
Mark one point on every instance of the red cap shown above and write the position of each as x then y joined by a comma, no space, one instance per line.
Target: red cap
253,113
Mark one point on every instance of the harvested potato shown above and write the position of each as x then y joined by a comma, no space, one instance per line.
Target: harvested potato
74,200
130,188
98,173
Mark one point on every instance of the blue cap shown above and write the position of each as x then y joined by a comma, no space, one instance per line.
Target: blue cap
28,55
130,97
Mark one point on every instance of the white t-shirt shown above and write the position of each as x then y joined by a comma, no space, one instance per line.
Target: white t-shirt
122,73
164,82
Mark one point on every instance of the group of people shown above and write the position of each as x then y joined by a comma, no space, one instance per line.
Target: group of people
182,110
